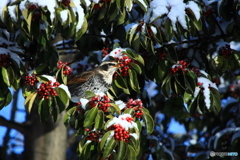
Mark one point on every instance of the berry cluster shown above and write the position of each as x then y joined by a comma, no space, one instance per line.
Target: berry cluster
92,136
4,60
66,3
32,7
225,51
30,79
139,27
161,55
120,133
196,71
105,51
208,11
79,108
124,61
46,90
103,102
180,66
150,32
136,105
66,69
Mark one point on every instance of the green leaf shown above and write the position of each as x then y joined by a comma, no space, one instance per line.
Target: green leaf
136,67
109,147
129,111
121,17
120,82
136,42
63,95
120,5
90,117
99,120
61,105
29,21
8,75
102,12
2,100
143,4
29,101
8,98
166,86
134,56
105,138
43,108
133,80
163,69
54,109
116,108
68,115
40,68
216,103
131,153
89,94
130,34
149,122
85,154
187,97
122,150
82,30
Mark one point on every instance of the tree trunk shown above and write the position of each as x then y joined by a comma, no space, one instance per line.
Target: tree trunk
46,140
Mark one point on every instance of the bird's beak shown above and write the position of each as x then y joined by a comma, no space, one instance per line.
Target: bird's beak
117,66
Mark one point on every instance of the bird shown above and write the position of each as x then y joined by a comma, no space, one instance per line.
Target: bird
97,80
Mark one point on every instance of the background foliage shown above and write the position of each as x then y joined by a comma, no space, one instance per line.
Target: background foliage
190,49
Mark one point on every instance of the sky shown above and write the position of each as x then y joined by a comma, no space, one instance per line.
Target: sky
19,117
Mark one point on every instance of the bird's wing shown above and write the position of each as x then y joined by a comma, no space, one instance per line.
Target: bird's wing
78,79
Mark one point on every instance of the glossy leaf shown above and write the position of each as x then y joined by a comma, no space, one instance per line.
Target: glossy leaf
105,138
122,150
120,82
29,101
109,147
8,75
99,120
149,122
136,67
131,153
90,117
133,80
63,95
89,94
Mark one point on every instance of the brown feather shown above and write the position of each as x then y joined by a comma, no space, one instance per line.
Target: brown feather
84,76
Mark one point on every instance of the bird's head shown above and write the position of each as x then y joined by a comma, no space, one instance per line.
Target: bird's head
109,67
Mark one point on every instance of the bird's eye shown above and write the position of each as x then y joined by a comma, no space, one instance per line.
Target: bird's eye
111,64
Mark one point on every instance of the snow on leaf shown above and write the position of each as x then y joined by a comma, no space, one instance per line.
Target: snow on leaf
79,10
172,9
194,7
122,121
65,88
84,102
206,83
51,5
120,104
12,12
50,78
2,5
64,15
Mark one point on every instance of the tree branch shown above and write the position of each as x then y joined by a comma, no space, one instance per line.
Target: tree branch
14,125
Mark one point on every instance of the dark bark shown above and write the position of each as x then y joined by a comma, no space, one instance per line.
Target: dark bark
45,140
